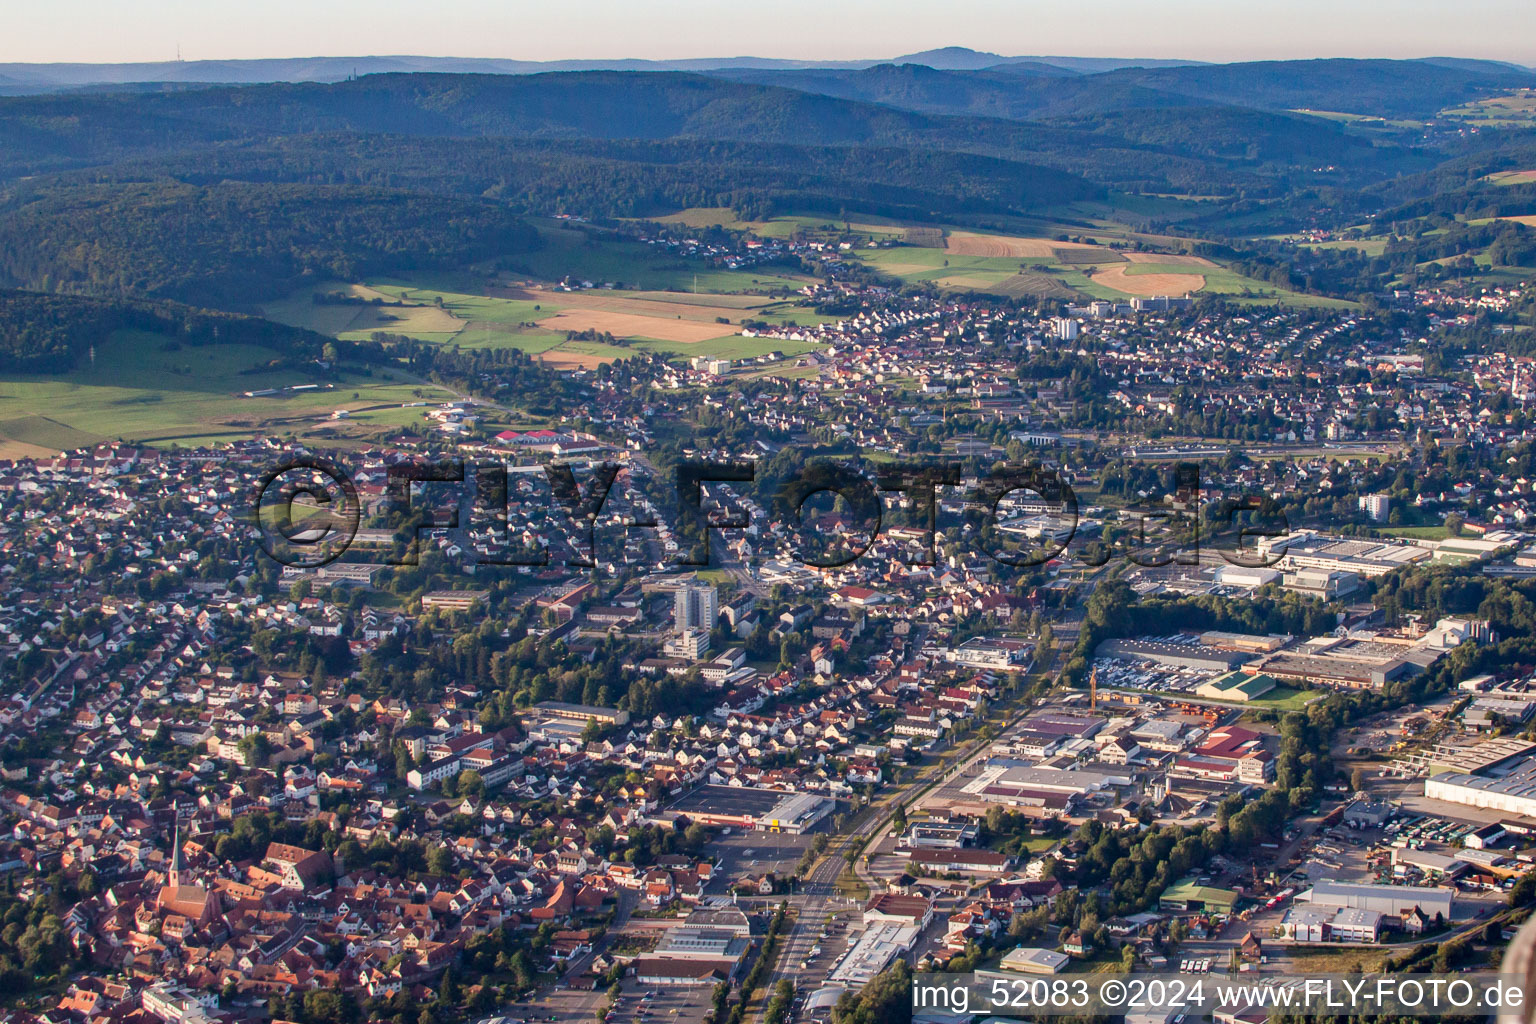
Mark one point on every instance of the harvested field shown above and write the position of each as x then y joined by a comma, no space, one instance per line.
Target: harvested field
1512,177
1168,259
1041,286
1528,219
562,359
690,299
1148,284
965,243
634,325
642,304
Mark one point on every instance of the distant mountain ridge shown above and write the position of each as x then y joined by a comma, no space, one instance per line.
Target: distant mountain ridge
917,107
19,78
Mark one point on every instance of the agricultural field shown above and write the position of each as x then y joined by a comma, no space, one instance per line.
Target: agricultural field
474,312
1148,279
1525,177
146,387
1528,219
1511,109
1053,269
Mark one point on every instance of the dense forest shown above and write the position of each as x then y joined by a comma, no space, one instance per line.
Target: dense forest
48,333
632,178
232,244
1111,132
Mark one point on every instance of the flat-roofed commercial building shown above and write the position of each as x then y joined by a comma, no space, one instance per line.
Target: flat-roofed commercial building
796,814
1514,793
705,949
1306,549
1033,960
1481,757
1244,641
1385,899
454,600
940,834
1335,670
872,952
1172,655
1002,655
583,712
771,810
1002,775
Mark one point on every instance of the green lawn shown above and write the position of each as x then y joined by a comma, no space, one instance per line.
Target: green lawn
142,386
1416,532
1285,698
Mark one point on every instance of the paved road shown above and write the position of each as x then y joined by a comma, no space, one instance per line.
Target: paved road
628,900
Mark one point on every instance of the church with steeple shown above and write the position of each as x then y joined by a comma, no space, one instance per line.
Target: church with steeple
181,895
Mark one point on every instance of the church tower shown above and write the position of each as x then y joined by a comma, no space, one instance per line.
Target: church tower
178,859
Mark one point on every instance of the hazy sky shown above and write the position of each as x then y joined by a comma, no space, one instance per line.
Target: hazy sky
147,30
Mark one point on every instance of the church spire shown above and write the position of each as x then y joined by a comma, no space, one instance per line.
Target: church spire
178,860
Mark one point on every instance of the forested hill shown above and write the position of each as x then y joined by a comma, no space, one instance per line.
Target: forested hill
42,133
49,333
642,178
233,244
1385,88
1382,88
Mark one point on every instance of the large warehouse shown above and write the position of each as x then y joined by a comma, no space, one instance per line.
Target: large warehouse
1385,899
771,810
1505,778
1513,794
1190,655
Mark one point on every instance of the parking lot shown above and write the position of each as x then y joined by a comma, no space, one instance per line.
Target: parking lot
670,1004
673,1004
754,853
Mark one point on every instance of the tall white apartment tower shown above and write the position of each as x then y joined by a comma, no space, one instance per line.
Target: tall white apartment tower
695,606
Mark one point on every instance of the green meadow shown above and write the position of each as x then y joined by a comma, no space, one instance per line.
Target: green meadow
145,387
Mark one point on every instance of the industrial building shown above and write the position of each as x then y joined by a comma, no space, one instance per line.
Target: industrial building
1514,793
1173,655
1307,549
705,949
1034,788
1333,924
1236,686
1395,900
